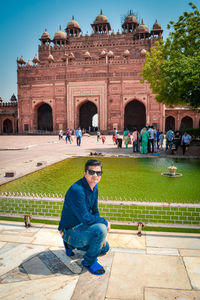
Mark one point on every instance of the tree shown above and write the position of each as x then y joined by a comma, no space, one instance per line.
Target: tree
173,67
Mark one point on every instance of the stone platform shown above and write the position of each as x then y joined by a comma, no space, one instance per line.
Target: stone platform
156,266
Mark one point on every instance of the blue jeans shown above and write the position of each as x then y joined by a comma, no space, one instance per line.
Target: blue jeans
88,238
135,146
151,145
78,140
68,139
168,143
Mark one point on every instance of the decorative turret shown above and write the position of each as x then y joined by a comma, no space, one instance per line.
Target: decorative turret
13,98
142,32
73,28
143,52
28,64
50,58
71,56
87,55
35,59
130,23
157,29
126,53
1,100
21,61
103,53
45,38
101,24
60,37
110,54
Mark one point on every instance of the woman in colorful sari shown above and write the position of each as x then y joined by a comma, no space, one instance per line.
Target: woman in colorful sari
126,137
144,135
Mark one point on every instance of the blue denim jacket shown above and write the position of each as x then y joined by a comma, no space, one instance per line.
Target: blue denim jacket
80,206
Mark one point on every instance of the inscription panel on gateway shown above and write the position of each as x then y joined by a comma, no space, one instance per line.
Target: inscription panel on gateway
59,90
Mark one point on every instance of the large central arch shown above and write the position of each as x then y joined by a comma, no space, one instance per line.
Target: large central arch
86,114
45,118
134,115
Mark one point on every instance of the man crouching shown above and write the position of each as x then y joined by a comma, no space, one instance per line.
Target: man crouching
81,225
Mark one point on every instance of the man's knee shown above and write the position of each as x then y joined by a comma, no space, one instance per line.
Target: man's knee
100,229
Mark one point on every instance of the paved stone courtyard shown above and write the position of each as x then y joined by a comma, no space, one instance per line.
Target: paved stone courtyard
156,266
33,264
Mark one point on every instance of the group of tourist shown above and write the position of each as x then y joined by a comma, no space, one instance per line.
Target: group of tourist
69,135
150,140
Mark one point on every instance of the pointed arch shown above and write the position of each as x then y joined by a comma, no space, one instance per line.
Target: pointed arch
186,122
87,110
134,115
169,123
45,117
7,126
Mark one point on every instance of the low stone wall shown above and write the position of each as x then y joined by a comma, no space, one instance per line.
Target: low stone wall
118,212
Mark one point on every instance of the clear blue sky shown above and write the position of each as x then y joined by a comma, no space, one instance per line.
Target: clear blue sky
24,21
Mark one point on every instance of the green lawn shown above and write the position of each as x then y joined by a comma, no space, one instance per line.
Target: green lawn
123,178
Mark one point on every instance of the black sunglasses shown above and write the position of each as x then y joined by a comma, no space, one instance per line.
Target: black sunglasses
92,172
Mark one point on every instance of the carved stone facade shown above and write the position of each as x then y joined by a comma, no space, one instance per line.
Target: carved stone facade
98,72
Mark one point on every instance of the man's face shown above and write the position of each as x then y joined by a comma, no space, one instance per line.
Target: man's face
93,179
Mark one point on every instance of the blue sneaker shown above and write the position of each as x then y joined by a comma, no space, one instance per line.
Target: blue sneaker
68,251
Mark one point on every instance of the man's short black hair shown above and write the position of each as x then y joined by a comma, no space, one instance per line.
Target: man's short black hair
92,162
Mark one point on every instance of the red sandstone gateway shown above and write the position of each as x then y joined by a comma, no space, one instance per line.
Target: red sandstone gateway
76,78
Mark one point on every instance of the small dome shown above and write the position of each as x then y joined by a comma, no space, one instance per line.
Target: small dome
73,24
60,35
101,19
118,32
21,61
156,25
143,28
87,34
1,99
45,35
50,58
35,59
110,54
130,19
71,56
103,53
13,98
143,52
113,32
87,54
126,53
28,63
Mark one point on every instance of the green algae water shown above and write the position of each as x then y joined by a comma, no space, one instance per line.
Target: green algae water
136,179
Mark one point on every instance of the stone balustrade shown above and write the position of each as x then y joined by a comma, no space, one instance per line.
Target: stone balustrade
122,212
